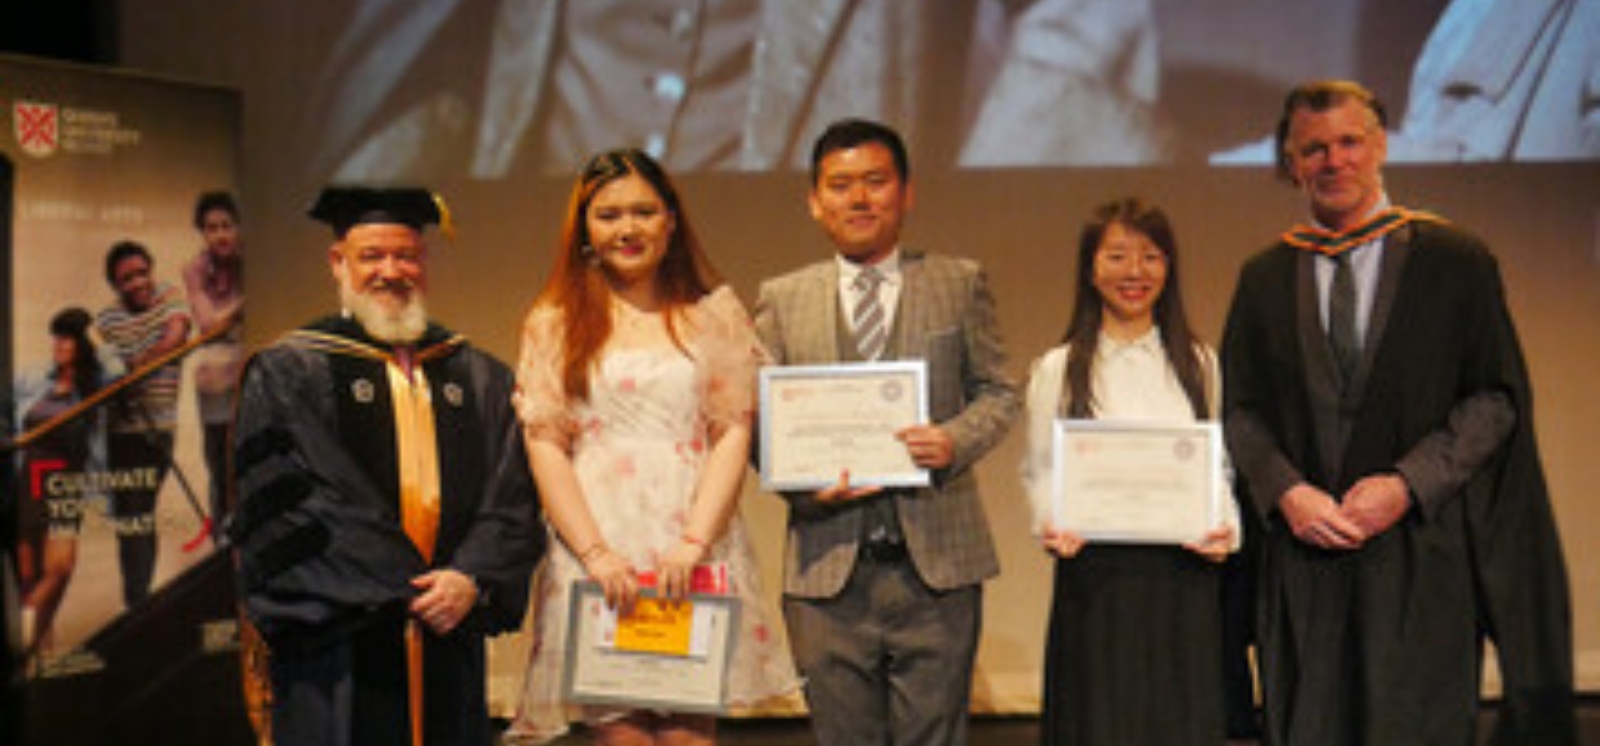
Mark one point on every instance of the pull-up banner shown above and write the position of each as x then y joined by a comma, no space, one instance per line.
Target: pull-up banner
125,277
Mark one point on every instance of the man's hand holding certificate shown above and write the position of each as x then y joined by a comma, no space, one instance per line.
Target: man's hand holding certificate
820,421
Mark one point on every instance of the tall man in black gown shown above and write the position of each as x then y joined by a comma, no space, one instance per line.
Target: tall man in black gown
1377,409
387,519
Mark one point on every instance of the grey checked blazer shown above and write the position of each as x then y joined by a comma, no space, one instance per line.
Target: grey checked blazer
947,317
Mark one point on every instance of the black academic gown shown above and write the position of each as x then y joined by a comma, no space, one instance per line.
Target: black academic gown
1382,645
324,565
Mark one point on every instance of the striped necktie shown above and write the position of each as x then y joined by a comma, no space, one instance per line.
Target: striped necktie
868,318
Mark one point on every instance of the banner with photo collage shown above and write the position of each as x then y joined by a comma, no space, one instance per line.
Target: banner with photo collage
123,290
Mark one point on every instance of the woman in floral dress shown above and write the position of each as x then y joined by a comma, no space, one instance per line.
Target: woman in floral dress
636,392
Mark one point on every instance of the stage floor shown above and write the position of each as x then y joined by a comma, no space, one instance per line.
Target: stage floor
1022,731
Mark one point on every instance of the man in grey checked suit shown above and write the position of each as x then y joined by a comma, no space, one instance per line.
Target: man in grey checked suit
883,588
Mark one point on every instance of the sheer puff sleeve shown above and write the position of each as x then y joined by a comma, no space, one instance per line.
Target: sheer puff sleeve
731,355
540,401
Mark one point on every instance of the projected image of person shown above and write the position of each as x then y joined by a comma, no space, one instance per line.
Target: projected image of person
1128,354
636,391
1377,407
1494,80
1507,80
730,84
214,281
148,320
54,466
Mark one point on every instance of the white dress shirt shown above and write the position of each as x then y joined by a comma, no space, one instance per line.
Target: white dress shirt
888,291
1130,381
1366,261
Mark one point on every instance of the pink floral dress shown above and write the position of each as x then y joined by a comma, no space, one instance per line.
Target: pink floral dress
638,445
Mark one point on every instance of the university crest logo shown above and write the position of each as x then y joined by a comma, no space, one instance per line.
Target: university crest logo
37,127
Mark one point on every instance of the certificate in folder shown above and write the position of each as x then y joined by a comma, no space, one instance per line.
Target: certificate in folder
666,654
1141,482
819,420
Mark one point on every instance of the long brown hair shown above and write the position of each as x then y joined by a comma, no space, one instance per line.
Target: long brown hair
1083,330
578,284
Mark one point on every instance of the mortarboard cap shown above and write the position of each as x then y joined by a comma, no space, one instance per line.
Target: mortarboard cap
343,207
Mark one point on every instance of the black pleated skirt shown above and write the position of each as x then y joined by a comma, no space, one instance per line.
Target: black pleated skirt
1134,654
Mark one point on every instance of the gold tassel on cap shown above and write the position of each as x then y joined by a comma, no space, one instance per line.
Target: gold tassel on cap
447,224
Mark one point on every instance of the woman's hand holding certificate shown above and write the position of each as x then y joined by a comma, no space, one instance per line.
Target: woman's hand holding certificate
1138,481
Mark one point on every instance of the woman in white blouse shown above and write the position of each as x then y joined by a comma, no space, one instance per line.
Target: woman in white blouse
1134,647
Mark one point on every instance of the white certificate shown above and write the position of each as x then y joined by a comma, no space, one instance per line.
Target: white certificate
667,655
819,420
1136,481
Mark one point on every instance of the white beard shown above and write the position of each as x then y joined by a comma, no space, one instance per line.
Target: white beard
395,327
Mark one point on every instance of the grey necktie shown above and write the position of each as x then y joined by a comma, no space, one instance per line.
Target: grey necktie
870,325
867,319
1342,334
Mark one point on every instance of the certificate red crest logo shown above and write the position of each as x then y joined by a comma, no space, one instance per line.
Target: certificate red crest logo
37,127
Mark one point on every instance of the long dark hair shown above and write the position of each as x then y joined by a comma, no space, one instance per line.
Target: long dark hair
225,277
73,323
578,286
1083,330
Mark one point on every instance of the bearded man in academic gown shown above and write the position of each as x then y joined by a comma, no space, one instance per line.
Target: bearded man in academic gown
1377,409
387,519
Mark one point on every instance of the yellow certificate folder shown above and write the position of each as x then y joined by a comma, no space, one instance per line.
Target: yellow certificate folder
657,625
668,654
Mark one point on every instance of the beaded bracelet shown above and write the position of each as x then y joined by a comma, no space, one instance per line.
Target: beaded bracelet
594,550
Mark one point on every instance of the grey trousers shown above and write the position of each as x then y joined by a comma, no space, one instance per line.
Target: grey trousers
888,661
